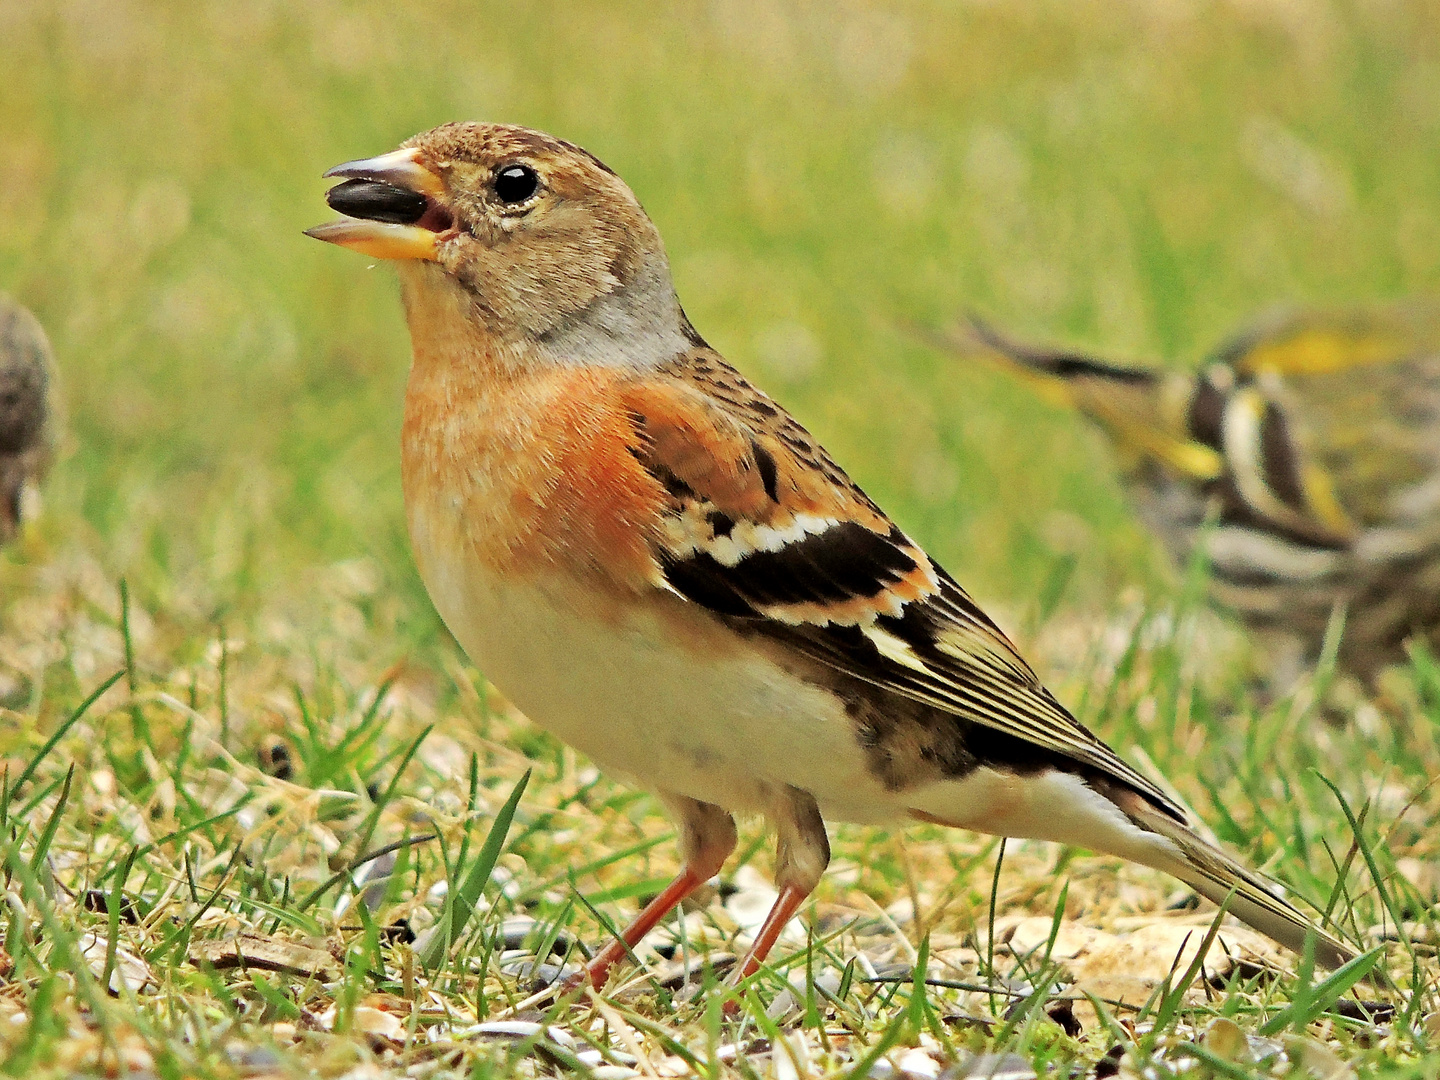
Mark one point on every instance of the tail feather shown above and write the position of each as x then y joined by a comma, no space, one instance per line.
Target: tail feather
1218,877
1144,411
1058,363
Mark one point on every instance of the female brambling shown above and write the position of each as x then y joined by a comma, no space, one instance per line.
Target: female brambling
25,428
1312,439
656,562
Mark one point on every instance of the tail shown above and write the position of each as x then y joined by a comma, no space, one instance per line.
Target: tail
1145,412
1218,877
1054,363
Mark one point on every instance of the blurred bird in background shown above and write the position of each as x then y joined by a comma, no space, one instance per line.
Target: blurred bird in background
25,425
1306,453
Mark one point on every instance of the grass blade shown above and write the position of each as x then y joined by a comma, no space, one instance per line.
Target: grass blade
460,904
1324,994
37,859
1369,857
1172,1000
70,722
367,831
132,681
350,867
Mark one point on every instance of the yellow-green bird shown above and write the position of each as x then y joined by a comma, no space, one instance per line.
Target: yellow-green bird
1306,452
25,424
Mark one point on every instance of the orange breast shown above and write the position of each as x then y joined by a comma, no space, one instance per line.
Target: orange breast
530,469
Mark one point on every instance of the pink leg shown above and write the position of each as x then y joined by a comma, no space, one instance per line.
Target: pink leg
686,882
707,836
801,855
791,897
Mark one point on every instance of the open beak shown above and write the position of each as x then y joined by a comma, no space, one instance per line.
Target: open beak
393,207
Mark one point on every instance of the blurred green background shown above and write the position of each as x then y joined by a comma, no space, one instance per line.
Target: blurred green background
1139,177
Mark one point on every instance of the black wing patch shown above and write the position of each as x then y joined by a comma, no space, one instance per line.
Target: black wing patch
1279,461
1205,419
842,562
769,476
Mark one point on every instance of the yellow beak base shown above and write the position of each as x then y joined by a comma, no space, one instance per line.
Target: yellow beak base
378,239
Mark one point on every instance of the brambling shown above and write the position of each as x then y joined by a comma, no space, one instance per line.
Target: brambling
1305,455
654,561
25,425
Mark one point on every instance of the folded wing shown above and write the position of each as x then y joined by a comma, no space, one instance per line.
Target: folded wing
762,528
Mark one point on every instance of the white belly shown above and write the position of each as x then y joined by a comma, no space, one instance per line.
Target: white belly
721,724
724,726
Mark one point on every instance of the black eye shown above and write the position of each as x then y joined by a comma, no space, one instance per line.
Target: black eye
516,183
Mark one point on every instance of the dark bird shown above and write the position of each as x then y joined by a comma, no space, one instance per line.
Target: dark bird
1306,453
25,424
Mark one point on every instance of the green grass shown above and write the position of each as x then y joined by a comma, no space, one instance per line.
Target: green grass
1139,178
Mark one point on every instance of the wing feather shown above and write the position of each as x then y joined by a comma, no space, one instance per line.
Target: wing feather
763,529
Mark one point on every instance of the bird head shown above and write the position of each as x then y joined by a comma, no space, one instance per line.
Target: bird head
536,240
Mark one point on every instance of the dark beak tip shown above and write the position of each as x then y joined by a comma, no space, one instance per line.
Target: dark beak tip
377,201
